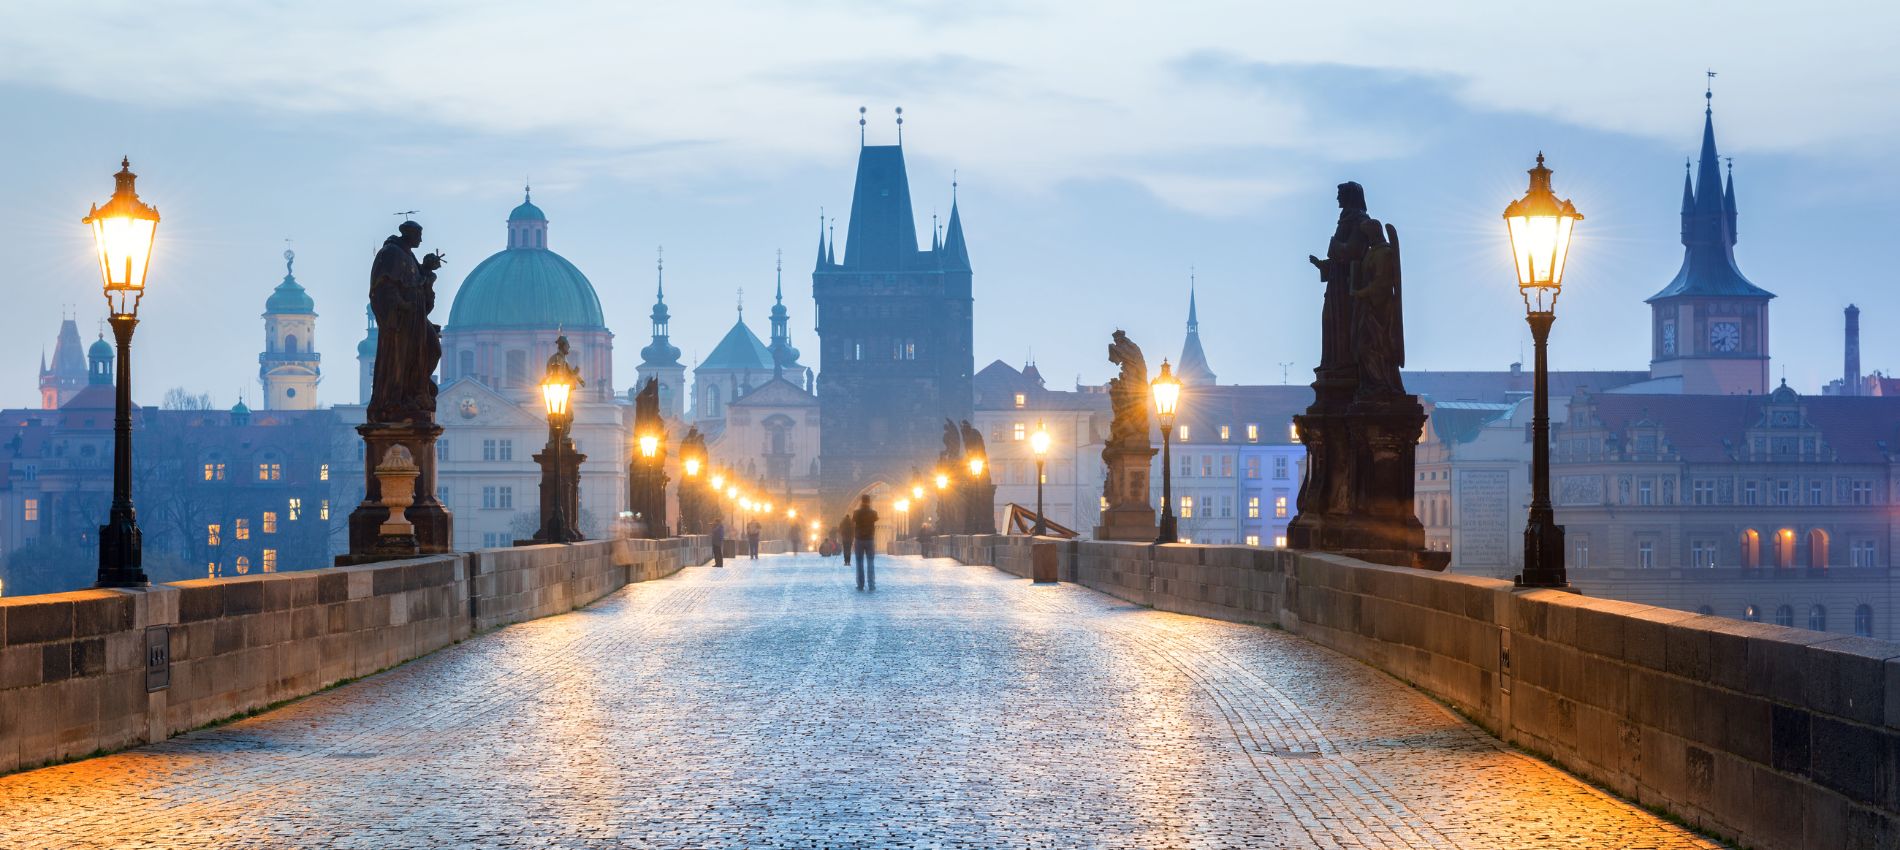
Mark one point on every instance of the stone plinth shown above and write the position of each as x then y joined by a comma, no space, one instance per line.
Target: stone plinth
434,529
1361,470
1130,515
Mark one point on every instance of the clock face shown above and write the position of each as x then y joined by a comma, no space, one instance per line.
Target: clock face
1724,336
1669,337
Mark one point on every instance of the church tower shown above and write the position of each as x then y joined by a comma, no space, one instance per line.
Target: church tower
784,356
1709,326
288,365
661,358
1193,369
99,363
67,376
366,358
894,331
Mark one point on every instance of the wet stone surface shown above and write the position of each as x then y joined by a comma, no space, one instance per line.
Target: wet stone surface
770,705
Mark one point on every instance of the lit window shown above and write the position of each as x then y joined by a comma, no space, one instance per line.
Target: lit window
1253,433
323,509
1253,507
1279,541
211,570
1187,507
241,529
208,471
212,537
323,472
270,471
1253,467
1223,433
1293,431
1279,506
1184,434
214,471
1226,466
30,510
1104,501
296,509
1020,432
270,560
1021,399
243,565
1253,540
270,522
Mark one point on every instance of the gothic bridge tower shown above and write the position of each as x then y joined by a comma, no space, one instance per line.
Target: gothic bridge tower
894,331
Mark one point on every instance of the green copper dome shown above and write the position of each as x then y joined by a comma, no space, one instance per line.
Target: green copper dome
289,298
100,350
526,285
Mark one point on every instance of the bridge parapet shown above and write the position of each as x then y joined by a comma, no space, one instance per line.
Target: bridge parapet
1772,736
96,670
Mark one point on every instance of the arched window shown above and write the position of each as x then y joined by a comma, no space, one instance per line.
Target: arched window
1817,549
1751,549
1817,618
1864,620
1751,613
243,565
1784,616
1784,548
290,343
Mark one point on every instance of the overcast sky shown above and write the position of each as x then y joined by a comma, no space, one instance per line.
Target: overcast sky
1102,148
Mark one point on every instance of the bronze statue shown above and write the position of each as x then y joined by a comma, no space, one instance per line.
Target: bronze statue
1128,393
646,406
952,442
558,367
408,345
1378,330
1345,249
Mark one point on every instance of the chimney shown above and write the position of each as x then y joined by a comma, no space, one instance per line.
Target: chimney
1850,377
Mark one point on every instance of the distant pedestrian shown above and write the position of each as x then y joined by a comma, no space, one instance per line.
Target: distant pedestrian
794,536
752,532
719,542
846,530
864,523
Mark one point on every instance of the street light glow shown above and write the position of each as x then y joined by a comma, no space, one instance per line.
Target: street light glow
123,232
649,445
1540,224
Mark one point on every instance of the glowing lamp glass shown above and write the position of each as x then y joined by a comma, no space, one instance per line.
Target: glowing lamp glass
1039,442
1540,226
917,491
555,393
976,466
692,467
123,231
943,481
1167,392
649,445
718,481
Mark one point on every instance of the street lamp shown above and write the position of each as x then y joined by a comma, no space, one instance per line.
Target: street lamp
1039,443
1167,396
1540,225
123,231
556,389
903,507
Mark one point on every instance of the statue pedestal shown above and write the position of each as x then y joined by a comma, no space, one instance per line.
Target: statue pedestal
434,529
1130,515
1361,470
560,489
980,515
646,496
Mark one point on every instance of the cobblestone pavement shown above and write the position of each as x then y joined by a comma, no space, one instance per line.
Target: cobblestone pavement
770,705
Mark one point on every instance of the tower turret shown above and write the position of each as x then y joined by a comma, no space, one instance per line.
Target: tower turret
288,367
660,359
99,362
784,356
366,357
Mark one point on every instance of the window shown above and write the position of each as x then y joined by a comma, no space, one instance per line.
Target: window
270,522
1019,432
1253,467
1279,541
1815,492
1784,616
1646,555
1187,507
1253,507
488,498
323,509
506,450
214,472
1863,492
270,561
243,565
1184,434
212,535
1702,553
441,450
1784,492
1863,621
1207,466
1279,467
1863,553
1253,433
1749,493
1187,466
241,529
506,498
1583,552
1253,540
1646,492
1702,491
488,450
1226,466
1223,433
492,540
323,472
270,471
296,509
211,570
1279,507
30,510
1817,618
1021,399
1227,506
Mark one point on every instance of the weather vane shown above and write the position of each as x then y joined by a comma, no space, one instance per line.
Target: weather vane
406,213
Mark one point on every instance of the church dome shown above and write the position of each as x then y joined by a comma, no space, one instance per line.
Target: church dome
100,350
526,285
289,298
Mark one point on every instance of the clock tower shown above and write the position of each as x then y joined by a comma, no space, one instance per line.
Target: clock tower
1709,326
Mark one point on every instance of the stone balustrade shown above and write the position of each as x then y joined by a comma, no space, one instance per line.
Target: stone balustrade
1773,737
95,670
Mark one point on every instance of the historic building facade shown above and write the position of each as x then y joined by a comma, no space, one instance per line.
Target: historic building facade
894,330
1011,405
289,367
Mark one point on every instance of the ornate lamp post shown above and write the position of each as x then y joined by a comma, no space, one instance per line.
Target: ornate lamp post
1039,443
1167,395
942,480
123,231
690,466
557,388
1540,226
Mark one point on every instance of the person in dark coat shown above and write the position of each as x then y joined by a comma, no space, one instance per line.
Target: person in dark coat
864,524
719,542
845,532
752,532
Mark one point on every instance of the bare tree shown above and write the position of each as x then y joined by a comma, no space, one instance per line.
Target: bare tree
178,398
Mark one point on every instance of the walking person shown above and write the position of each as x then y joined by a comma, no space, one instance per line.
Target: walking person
846,530
864,524
719,542
752,531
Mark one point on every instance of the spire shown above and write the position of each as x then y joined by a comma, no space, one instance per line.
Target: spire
956,253
784,356
821,241
1728,200
1708,227
1194,321
1194,368
1708,179
660,352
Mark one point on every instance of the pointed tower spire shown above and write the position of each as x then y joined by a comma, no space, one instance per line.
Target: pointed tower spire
784,356
659,353
1728,201
820,266
956,254
1194,368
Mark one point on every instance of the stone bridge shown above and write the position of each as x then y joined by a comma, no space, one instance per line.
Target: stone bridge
769,704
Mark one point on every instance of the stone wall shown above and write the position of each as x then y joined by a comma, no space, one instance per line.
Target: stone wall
1776,737
98,670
